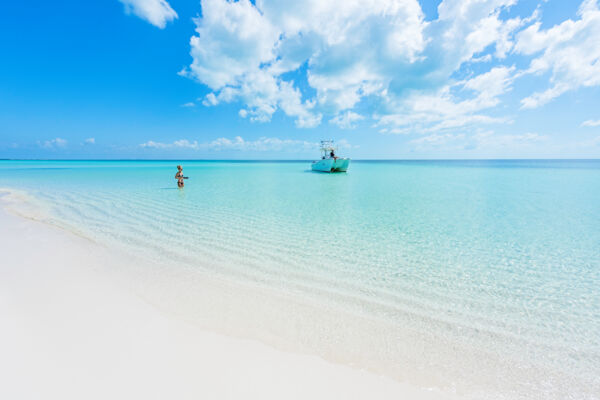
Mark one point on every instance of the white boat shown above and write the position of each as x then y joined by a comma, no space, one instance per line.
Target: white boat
329,162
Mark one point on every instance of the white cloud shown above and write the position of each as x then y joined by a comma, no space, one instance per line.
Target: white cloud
241,52
511,141
182,143
186,144
210,100
569,51
452,106
482,59
591,123
346,120
437,139
239,144
261,144
234,43
344,145
486,141
53,143
348,50
315,59
189,104
90,140
156,12
467,27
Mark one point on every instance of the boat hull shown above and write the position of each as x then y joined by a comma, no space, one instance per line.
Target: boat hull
331,165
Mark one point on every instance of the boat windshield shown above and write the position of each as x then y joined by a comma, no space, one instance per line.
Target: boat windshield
327,149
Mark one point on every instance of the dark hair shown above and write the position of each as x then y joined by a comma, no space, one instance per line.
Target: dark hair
179,167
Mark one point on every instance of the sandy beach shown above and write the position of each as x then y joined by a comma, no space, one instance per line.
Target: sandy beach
71,331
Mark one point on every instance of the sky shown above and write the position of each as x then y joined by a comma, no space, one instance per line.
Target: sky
268,79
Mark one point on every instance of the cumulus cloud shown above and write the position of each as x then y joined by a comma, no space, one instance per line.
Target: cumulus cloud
467,27
239,144
243,52
53,143
591,123
346,120
569,51
448,108
156,12
189,104
315,60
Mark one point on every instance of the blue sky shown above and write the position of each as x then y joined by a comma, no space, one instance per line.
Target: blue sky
268,79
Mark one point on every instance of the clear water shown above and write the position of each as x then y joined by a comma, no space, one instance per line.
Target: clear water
484,275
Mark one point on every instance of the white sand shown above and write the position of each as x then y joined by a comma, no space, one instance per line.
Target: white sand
70,331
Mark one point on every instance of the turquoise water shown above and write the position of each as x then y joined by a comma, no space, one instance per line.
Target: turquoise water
484,274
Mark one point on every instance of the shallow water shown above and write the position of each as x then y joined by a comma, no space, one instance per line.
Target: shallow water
484,274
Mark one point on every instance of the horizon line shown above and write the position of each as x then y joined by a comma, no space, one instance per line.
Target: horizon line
297,160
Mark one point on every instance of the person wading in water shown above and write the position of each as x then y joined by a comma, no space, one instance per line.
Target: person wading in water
179,176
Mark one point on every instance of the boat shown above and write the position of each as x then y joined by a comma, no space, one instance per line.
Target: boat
329,162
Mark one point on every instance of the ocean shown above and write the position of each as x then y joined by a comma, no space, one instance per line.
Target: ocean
481,278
